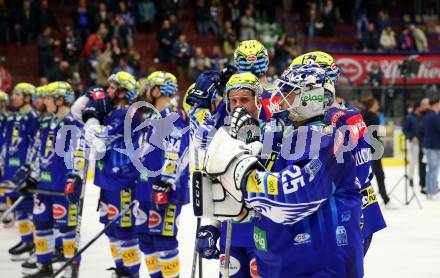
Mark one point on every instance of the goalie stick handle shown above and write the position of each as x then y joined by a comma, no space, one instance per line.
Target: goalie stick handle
80,156
227,248
95,238
11,208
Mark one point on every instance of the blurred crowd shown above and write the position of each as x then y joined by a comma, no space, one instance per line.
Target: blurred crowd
99,37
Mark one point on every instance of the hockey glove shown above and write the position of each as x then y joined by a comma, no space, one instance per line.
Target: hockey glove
20,176
244,127
207,237
30,183
206,89
160,192
73,188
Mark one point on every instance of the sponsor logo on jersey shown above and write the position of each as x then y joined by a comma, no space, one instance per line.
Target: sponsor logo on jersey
312,168
302,238
260,239
58,211
254,183
170,214
341,236
102,209
253,268
335,118
14,162
272,185
357,127
140,216
368,196
112,211
39,207
234,265
46,176
154,219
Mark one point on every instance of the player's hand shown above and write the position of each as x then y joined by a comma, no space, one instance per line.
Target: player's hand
244,127
207,237
73,187
160,192
30,183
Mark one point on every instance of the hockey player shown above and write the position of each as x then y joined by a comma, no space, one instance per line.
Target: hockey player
161,197
342,115
307,222
114,173
249,57
50,173
19,133
4,102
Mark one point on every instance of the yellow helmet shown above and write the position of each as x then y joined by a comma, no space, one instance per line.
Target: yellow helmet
40,91
244,80
187,107
61,89
251,56
323,59
166,82
25,88
4,96
125,81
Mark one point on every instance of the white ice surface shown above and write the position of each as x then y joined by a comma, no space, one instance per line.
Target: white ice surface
409,247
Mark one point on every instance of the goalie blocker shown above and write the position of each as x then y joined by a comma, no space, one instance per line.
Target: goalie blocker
210,200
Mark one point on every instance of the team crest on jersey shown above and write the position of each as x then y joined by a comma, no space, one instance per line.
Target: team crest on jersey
253,268
58,211
112,211
154,219
234,265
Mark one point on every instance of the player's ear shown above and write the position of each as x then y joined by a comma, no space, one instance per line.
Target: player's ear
155,92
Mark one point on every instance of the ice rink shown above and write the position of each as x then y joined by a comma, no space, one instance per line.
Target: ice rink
409,247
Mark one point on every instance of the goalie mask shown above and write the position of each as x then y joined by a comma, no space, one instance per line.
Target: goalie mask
305,92
323,59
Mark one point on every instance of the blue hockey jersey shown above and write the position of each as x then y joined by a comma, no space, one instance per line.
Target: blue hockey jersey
168,138
372,220
115,171
51,168
19,134
308,214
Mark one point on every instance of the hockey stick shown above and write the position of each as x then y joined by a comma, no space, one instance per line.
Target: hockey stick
34,191
196,257
227,248
95,238
81,150
11,208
